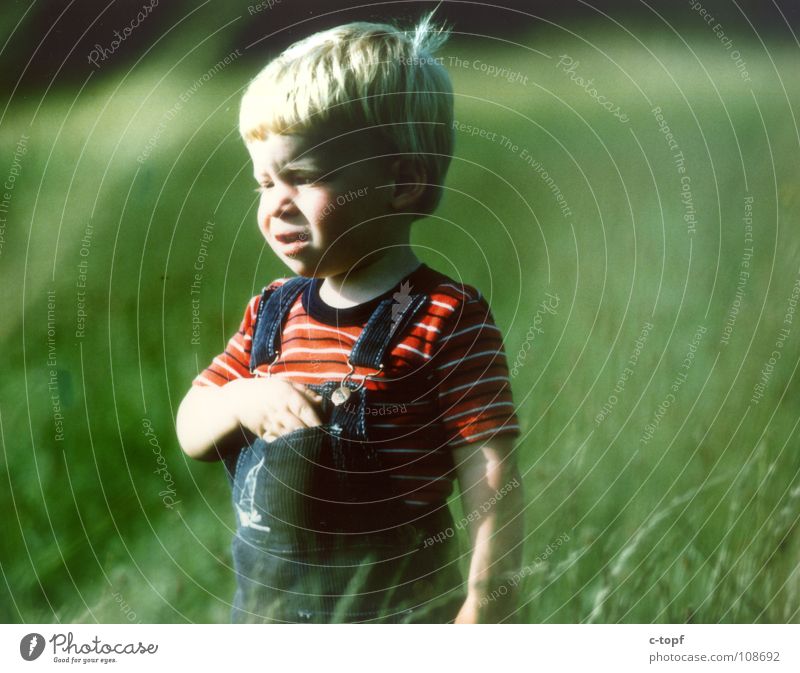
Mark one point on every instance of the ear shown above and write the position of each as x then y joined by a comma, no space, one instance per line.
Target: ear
410,182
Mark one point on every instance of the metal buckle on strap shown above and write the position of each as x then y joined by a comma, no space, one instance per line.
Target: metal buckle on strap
343,392
268,373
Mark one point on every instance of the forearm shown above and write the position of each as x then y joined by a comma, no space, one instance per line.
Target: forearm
207,425
494,506
497,556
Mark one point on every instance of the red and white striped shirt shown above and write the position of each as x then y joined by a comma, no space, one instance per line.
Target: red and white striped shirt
453,336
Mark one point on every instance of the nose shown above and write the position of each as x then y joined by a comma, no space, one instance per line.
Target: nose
281,200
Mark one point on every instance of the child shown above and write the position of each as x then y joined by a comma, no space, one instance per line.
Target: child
356,392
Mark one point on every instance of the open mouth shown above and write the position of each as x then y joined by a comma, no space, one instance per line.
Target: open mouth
294,237
292,244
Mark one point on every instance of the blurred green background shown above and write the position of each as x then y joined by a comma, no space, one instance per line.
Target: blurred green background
676,481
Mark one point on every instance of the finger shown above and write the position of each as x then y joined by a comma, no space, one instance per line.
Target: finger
267,431
309,417
310,394
289,422
278,427
302,409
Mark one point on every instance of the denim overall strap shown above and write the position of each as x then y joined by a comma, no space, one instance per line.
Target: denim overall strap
272,310
368,351
388,319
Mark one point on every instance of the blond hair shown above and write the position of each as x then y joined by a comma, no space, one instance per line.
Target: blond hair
358,76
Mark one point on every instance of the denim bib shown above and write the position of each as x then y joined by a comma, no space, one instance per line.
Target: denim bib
320,537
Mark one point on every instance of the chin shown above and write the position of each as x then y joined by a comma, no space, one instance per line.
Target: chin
302,269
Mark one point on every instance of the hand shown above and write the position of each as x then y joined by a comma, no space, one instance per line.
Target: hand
487,610
272,407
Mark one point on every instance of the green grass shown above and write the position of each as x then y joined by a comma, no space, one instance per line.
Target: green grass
699,524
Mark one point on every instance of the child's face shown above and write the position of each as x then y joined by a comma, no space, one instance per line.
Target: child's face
323,209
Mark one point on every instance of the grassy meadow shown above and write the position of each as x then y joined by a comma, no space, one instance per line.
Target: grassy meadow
666,456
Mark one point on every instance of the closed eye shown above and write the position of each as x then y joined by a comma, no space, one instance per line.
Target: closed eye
300,177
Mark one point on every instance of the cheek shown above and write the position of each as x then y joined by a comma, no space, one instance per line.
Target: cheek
262,218
346,208
319,204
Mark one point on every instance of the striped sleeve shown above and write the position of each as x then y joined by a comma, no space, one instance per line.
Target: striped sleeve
234,361
475,399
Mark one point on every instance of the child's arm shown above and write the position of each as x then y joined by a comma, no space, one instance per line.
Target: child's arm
215,420
492,498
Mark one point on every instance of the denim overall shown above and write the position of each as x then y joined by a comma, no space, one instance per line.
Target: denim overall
320,538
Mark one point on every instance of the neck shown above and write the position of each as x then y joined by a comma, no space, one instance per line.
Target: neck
369,280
